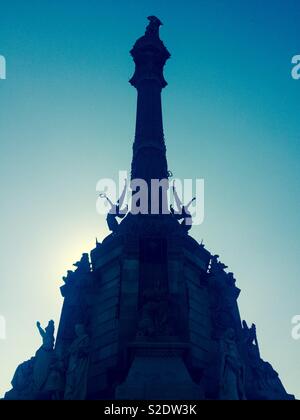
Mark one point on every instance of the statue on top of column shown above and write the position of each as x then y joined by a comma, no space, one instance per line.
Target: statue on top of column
153,27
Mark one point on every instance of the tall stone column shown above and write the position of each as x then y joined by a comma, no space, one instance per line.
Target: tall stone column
149,151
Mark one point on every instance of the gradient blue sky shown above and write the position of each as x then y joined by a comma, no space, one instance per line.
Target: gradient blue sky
231,114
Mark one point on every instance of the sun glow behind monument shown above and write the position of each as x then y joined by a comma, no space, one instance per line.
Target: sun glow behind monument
148,290
264,136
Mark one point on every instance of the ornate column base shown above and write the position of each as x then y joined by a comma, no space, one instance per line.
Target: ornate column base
158,372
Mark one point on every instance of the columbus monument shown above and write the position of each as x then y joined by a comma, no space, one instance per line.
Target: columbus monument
149,314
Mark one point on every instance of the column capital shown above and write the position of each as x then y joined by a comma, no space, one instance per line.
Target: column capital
150,55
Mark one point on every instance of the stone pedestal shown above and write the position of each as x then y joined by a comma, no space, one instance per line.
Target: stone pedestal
158,372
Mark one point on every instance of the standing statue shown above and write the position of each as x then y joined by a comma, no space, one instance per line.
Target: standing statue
156,318
55,383
153,27
183,213
232,369
115,210
43,356
76,378
230,279
250,339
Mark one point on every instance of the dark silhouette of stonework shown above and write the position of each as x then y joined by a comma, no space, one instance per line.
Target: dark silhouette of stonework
150,313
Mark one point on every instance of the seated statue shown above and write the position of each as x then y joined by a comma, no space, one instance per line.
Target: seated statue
232,378
22,382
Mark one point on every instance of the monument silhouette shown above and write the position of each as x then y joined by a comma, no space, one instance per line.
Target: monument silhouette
149,314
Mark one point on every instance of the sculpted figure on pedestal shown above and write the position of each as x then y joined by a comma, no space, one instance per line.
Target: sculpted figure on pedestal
153,27
267,384
250,339
76,377
217,267
83,266
22,382
43,356
156,318
55,383
115,210
232,370
183,212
